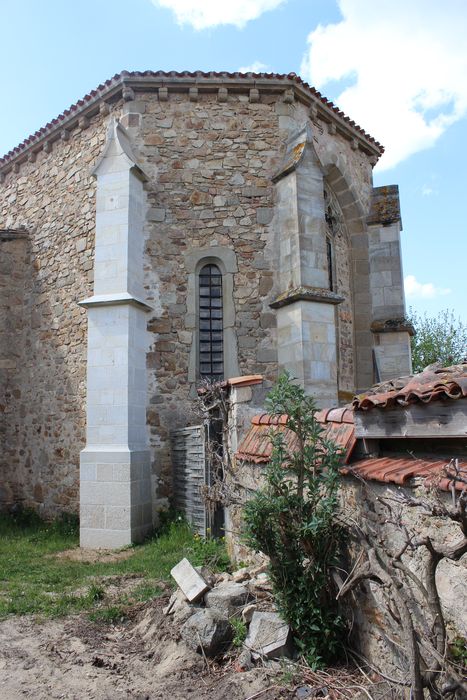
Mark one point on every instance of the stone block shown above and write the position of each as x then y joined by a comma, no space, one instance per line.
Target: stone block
228,598
266,355
96,538
207,631
156,214
264,215
268,635
189,580
179,608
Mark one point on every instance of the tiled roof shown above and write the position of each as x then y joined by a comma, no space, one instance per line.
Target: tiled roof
434,383
140,79
401,470
256,446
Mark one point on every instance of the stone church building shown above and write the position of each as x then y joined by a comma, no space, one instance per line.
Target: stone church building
170,227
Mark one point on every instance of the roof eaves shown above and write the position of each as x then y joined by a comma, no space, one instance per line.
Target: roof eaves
89,105
401,471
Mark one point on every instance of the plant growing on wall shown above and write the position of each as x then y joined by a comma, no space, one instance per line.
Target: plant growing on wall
402,561
293,521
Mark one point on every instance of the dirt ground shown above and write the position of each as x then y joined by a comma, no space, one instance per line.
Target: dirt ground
141,659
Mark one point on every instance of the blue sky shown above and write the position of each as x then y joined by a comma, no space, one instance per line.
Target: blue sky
397,67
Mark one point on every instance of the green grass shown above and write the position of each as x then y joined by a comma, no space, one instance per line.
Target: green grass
34,581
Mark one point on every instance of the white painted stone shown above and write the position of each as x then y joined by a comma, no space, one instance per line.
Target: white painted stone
189,580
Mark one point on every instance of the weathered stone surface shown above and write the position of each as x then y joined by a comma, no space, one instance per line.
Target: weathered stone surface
244,661
207,630
189,580
247,613
179,608
268,635
228,598
241,575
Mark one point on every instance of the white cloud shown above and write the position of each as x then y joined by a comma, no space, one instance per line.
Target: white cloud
428,191
256,67
406,63
418,290
210,13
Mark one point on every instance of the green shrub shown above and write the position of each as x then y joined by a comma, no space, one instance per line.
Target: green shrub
292,520
240,631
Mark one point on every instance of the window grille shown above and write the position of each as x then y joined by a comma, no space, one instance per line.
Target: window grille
211,337
332,228
329,252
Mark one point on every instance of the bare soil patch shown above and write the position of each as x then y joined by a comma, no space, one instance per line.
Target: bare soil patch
141,659
94,556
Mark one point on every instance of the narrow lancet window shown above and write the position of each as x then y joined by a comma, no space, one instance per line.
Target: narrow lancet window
211,336
329,252
331,231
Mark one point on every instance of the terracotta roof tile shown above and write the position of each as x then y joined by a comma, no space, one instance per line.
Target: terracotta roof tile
256,446
434,383
401,470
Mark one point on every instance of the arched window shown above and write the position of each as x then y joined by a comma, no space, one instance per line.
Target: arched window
211,322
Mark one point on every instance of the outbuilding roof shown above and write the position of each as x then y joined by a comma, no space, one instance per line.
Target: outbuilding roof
433,384
401,470
124,85
256,446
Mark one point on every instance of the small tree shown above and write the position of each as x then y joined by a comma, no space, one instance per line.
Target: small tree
292,521
441,338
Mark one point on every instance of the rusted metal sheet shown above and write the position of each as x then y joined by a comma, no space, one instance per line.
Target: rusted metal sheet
401,470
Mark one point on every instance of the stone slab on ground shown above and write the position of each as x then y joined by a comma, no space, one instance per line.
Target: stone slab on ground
189,580
179,608
228,598
207,630
268,635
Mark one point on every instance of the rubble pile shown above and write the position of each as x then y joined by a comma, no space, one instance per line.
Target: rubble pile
206,606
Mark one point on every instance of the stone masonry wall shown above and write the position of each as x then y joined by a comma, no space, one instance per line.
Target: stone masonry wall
210,165
211,162
210,158
345,329
374,631
54,199
14,271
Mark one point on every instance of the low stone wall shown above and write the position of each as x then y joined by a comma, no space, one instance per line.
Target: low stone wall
373,634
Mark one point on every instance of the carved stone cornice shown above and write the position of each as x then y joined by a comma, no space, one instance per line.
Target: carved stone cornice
126,84
304,293
393,325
